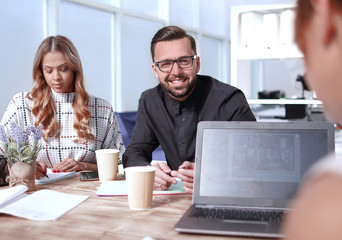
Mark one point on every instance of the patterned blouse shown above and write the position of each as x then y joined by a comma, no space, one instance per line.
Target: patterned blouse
103,124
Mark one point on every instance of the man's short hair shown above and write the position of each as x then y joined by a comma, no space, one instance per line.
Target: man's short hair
170,33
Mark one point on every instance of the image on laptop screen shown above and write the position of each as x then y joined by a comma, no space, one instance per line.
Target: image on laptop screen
260,163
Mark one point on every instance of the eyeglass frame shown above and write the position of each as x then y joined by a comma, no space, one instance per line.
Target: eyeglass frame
194,57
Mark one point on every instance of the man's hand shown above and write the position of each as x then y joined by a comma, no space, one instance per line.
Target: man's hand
162,179
186,174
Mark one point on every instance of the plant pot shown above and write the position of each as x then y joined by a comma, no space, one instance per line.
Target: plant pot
21,173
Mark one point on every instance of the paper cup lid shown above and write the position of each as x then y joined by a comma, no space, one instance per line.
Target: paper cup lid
109,151
140,169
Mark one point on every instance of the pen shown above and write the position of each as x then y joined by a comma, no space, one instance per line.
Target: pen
46,174
44,171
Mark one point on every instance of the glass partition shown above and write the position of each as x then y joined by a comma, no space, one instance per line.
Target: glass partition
137,73
90,31
211,57
22,30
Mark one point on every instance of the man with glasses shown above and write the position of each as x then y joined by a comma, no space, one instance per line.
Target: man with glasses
169,113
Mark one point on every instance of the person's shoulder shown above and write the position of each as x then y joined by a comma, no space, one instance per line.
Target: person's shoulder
329,164
99,101
152,92
323,195
20,95
217,86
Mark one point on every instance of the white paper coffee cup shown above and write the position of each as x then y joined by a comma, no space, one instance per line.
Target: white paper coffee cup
107,164
140,181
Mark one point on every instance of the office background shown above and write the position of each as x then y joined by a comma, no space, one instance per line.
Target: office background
113,39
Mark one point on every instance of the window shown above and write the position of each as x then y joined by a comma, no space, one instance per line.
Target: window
184,12
113,39
90,31
21,24
211,57
216,25
149,7
137,73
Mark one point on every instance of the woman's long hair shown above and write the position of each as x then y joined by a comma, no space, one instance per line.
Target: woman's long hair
44,108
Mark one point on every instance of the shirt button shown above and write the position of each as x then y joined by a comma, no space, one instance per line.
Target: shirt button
183,119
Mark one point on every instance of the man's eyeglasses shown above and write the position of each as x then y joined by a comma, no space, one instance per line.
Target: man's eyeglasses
182,62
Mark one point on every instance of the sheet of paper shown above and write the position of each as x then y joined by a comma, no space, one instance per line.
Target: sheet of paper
55,177
10,193
118,188
43,205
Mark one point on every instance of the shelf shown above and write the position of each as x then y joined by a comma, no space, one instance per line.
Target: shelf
266,56
261,32
284,101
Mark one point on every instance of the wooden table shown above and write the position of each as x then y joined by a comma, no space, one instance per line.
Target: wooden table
104,218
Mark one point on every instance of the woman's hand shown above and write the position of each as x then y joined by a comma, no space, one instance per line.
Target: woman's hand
68,165
40,169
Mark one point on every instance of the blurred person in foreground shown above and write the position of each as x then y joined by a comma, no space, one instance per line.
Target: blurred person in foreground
317,208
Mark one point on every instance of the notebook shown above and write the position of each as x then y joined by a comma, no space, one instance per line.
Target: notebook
118,188
245,170
55,177
40,205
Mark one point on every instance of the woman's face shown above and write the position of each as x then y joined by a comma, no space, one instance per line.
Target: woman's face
323,42
58,75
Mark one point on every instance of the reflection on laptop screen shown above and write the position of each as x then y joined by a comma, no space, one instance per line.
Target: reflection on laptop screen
258,163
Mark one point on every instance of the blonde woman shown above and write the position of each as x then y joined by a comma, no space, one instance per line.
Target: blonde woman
75,123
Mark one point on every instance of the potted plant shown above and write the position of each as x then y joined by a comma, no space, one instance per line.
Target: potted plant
21,150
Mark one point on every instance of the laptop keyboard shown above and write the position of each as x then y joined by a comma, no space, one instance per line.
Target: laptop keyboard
238,214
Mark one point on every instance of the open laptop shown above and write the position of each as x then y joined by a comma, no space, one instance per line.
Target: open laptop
252,169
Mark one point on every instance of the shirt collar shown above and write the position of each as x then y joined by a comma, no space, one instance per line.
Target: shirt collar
63,97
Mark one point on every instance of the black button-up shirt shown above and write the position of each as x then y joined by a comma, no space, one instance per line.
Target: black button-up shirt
163,120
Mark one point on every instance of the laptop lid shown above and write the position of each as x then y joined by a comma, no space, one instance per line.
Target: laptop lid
256,164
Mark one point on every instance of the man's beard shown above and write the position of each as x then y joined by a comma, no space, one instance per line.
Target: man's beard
179,92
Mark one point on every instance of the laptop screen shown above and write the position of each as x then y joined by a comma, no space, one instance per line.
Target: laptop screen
257,163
